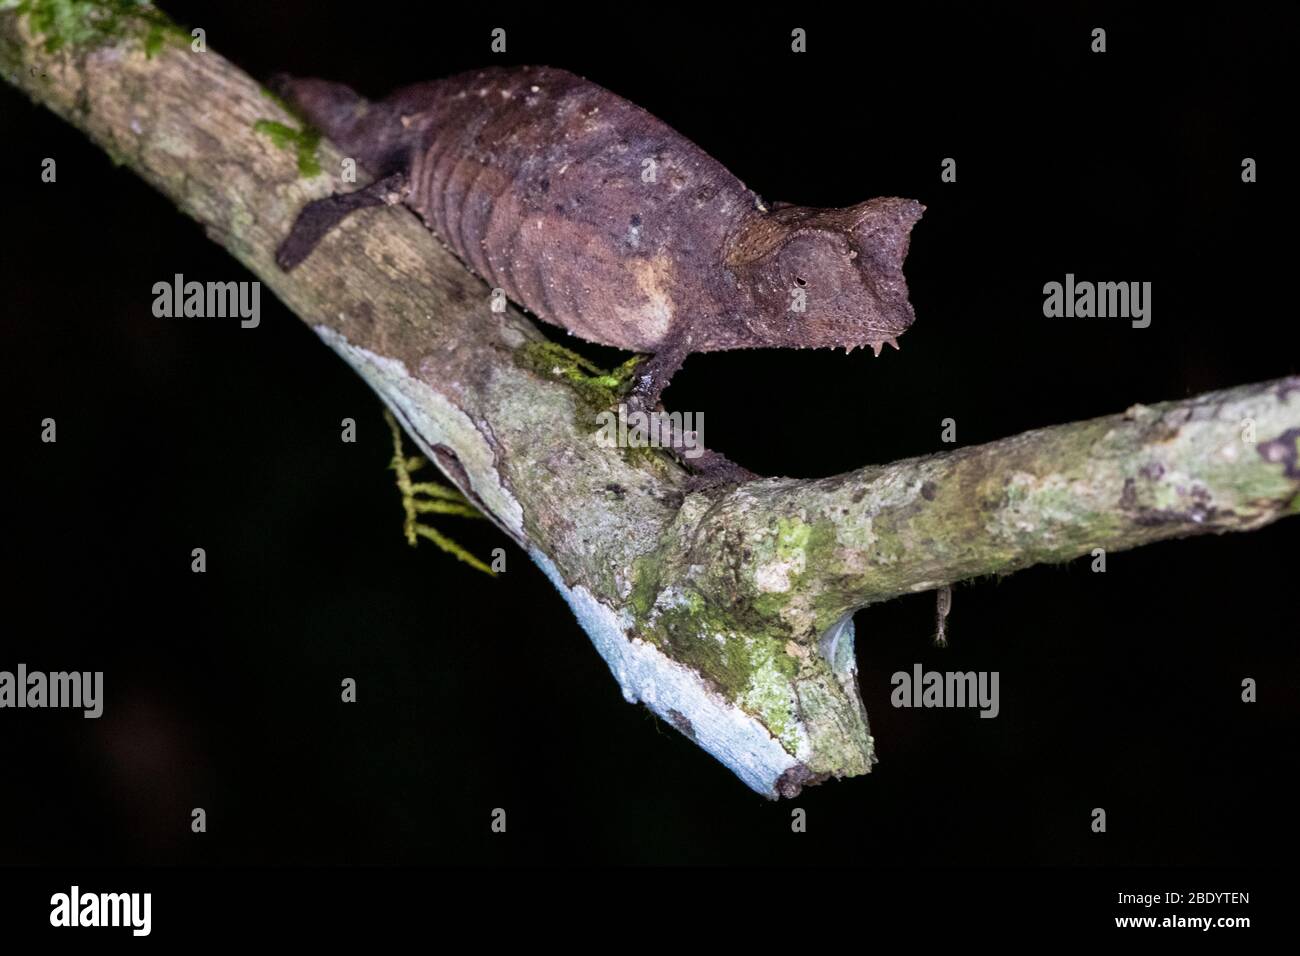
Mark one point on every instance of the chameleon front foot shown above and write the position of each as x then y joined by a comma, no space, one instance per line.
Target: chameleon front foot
654,374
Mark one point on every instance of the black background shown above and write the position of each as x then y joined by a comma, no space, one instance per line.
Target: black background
1119,690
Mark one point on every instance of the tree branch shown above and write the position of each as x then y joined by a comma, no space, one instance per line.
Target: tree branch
729,613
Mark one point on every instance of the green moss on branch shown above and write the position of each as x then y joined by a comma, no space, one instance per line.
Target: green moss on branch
86,24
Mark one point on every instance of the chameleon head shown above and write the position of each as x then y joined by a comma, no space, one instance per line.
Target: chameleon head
827,278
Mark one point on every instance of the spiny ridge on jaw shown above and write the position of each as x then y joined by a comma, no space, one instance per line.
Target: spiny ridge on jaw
875,346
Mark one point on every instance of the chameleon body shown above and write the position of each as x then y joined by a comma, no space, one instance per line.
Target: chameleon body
601,219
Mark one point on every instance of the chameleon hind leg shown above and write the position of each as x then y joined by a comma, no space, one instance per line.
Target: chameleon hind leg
320,216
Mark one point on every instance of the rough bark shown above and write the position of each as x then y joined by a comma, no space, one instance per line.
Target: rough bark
728,612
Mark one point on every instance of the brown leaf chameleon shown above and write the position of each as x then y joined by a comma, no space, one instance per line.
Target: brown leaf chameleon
601,219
